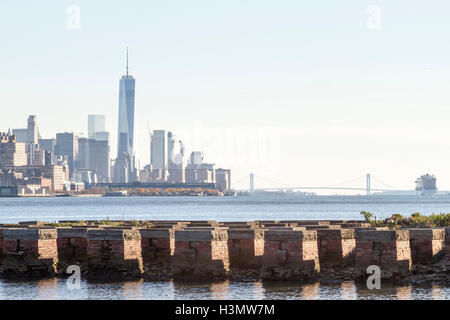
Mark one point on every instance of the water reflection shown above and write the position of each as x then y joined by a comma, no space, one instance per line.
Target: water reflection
258,290
404,292
436,292
169,290
310,291
348,290
132,290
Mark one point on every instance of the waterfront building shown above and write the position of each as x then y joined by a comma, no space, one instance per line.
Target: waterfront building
32,130
12,153
96,123
83,154
197,171
67,145
21,134
158,153
125,136
98,159
223,179
176,163
47,145
101,136
121,169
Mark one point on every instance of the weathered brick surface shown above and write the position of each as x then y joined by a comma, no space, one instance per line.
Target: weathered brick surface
72,247
158,247
200,253
290,254
29,252
245,249
336,247
427,245
390,250
114,253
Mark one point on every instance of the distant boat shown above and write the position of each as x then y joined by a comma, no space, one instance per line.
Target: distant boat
121,193
63,195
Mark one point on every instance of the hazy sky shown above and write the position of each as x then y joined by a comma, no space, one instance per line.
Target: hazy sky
300,92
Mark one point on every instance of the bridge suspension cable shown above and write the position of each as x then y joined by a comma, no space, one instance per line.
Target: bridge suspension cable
383,183
345,182
240,180
272,181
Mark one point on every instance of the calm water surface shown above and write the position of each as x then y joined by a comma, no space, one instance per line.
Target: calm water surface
259,207
139,290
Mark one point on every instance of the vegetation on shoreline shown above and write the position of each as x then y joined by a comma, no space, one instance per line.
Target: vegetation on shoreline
100,223
416,220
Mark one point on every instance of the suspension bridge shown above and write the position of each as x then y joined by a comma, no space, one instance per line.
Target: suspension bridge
365,186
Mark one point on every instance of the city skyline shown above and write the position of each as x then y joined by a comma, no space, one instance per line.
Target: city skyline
378,105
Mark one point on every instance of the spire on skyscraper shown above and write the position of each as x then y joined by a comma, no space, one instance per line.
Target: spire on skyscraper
127,61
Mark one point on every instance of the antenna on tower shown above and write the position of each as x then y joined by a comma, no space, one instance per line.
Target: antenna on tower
127,61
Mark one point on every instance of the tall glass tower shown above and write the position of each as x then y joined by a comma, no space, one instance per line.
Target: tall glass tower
125,138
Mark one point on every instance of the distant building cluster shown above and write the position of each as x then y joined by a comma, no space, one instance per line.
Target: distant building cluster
32,165
168,163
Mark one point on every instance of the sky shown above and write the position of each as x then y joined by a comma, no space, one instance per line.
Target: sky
302,93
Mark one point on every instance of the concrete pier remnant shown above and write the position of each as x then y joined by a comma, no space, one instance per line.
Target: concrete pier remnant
72,247
158,247
427,245
337,247
29,252
246,249
201,253
388,249
114,253
290,254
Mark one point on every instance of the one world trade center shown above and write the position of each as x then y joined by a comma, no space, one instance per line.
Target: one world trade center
125,138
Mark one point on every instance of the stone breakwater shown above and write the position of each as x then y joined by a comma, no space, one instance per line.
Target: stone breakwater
200,250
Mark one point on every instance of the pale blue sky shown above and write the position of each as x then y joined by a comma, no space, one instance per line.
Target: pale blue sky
301,92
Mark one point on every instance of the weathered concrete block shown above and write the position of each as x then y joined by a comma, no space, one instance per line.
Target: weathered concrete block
245,249
29,252
290,254
72,247
427,245
158,247
388,249
114,253
336,246
200,253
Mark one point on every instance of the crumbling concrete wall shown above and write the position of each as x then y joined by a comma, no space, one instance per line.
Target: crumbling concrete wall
158,247
336,247
114,253
201,253
427,245
29,252
72,247
290,254
388,249
245,249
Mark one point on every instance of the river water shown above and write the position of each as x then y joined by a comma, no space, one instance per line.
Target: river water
241,208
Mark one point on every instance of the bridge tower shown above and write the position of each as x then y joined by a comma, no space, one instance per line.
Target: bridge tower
368,184
252,183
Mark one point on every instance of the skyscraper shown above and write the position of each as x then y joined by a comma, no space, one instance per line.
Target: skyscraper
159,152
125,138
96,123
67,145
